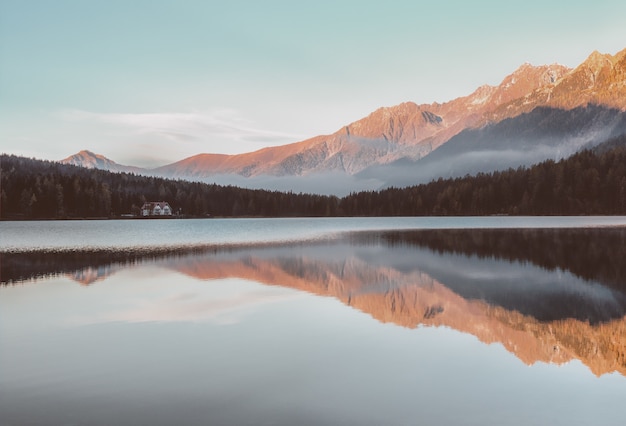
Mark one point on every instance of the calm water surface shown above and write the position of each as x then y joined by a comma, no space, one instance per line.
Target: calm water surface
123,234
510,321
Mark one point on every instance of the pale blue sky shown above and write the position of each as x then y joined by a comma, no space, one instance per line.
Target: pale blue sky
148,82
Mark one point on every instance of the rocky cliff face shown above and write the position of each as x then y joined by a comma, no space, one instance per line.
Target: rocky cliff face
599,80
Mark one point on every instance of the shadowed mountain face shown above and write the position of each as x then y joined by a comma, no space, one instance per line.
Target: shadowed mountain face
545,295
545,133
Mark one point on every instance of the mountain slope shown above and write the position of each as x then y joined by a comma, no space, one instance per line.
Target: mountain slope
387,134
544,133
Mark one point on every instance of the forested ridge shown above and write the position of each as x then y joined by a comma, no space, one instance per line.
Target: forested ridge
43,189
592,182
588,183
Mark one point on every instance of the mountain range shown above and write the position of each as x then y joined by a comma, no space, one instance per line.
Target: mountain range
535,113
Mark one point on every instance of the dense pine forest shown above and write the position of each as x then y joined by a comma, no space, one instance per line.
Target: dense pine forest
592,182
588,183
35,189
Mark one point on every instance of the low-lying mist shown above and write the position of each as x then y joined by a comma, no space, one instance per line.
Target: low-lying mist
334,183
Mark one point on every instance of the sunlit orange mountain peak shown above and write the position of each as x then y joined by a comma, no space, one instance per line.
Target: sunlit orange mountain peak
599,80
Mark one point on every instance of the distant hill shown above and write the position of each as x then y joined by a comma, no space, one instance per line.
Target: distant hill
90,160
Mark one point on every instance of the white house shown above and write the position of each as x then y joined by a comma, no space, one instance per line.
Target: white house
156,208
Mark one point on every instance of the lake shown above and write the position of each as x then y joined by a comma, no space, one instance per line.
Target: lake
373,321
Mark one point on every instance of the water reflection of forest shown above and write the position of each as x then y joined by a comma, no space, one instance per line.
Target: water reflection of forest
591,253
595,254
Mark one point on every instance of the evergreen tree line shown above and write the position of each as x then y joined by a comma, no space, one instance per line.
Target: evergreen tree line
588,183
594,254
36,189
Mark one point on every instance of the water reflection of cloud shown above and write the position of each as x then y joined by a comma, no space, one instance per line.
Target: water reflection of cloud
204,305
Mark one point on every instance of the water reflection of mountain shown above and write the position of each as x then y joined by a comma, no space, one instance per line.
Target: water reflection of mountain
388,285
545,295
579,260
84,266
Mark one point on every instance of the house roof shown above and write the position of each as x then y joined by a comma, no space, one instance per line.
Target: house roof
153,204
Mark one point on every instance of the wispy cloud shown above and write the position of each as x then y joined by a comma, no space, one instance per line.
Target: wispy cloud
219,125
